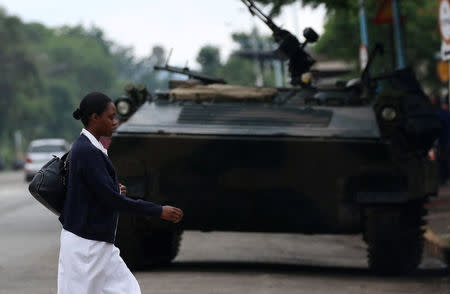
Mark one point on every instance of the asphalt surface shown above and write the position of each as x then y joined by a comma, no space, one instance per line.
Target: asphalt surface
439,212
208,262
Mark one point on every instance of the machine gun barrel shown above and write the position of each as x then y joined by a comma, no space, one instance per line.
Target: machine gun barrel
289,46
192,74
256,11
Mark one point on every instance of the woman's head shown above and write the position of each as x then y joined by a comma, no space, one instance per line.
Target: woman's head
98,113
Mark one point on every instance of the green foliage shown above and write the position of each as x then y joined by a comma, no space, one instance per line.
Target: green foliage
72,61
131,69
276,5
19,77
252,41
331,5
341,39
238,70
209,60
423,39
47,71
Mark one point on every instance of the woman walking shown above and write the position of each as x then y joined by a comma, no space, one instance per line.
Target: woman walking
89,263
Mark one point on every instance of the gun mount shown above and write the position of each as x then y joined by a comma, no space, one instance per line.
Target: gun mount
289,46
191,74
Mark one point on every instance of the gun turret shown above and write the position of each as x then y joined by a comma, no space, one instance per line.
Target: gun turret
255,11
289,46
191,74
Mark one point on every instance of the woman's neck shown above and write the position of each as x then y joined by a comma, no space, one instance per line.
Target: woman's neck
93,132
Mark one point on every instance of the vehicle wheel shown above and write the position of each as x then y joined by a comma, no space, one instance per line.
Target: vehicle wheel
131,249
139,249
163,246
394,236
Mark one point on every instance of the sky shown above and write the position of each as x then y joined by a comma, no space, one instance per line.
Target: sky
184,25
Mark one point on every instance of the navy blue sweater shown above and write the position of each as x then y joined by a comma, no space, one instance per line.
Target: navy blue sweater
93,199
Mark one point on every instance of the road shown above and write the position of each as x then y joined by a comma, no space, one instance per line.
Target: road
208,262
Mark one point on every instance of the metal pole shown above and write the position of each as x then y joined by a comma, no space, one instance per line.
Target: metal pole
363,24
398,35
296,11
277,70
364,32
448,95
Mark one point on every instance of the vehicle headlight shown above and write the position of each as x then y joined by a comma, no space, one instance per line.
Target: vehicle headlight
388,113
123,107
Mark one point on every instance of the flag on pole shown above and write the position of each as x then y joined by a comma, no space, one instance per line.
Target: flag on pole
384,13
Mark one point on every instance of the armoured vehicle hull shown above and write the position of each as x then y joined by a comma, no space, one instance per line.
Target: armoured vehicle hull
308,161
269,184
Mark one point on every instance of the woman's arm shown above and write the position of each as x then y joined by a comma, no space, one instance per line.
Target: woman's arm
169,213
95,174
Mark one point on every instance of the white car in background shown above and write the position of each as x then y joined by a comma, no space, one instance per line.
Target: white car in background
40,152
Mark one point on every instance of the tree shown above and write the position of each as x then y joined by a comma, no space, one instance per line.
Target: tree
77,61
262,69
209,60
330,4
140,70
19,82
239,70
253,40
159,53
341,37
47,71
421,35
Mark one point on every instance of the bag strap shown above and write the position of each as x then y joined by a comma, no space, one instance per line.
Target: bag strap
66,155
65,160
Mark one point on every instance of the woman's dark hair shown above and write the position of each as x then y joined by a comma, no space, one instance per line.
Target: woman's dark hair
94,102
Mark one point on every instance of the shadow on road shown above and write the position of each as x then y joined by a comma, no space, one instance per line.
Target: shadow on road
278,268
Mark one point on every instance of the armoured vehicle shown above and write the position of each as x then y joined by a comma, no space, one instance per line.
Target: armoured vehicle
345,160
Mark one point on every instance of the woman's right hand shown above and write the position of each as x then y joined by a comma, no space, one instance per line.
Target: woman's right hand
171,214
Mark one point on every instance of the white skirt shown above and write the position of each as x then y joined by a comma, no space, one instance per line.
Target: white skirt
92,267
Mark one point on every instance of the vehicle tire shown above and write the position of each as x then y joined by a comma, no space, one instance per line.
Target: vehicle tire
131,249
163,246
394,236
141,249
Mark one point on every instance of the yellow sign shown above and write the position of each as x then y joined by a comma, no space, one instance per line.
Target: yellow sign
442,70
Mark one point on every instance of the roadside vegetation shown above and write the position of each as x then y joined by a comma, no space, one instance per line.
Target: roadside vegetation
46,71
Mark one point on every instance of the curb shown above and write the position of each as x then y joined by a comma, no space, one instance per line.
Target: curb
437,246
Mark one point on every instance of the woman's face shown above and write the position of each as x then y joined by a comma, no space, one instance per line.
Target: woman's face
108,122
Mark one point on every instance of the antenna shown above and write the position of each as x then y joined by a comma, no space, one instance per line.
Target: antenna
168,57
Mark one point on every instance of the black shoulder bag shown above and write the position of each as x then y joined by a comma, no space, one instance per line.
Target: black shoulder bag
49,184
